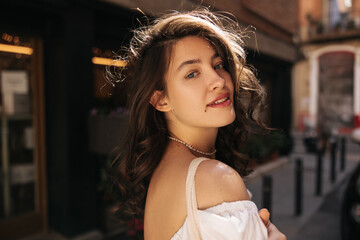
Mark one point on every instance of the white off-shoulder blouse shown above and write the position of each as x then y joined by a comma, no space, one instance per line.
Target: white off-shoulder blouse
228,220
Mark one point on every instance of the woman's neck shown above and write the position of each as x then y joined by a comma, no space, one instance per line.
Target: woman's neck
201,139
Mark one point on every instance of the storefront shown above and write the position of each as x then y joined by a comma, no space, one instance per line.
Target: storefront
23,183
51,167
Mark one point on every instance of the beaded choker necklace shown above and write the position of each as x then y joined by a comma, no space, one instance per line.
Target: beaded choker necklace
191,147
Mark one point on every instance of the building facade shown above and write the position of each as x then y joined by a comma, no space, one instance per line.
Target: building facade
326,78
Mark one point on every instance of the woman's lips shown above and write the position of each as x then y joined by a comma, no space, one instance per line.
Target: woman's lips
222,100
224,103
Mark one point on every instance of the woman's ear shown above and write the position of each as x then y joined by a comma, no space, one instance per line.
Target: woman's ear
159,101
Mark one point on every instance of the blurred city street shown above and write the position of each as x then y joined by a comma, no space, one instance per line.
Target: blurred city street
62,114
320,217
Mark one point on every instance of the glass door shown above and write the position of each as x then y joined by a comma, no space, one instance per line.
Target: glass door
22,164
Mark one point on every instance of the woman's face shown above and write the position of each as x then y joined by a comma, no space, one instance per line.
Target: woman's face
199,91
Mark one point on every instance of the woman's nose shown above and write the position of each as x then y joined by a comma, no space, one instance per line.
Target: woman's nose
215,81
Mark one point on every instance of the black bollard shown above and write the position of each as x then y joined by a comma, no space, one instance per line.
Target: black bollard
318,183
333,160
298,186
267,192
342,154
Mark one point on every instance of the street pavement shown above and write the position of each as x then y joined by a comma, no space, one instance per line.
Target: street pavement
324,224
320,216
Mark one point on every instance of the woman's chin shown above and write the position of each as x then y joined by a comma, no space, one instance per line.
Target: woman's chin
226,121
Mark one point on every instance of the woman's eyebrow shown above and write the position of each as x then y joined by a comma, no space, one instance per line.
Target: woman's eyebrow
216,55
193,61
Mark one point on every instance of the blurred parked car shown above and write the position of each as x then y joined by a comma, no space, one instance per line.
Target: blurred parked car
350,214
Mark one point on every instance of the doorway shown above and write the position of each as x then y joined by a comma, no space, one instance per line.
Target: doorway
336,84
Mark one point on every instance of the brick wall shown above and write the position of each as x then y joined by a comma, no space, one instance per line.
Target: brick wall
262,14
282,13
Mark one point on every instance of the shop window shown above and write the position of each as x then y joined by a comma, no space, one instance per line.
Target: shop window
22,191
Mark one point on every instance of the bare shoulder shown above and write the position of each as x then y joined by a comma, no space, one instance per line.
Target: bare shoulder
216,183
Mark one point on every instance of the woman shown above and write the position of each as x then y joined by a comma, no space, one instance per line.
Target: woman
192,103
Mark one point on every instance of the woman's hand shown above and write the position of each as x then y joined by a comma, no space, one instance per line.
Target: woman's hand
265,216
273,232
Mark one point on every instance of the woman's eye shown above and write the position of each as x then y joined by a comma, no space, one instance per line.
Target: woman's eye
219,66
191,75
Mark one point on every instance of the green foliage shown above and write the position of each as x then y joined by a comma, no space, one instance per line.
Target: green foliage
259,147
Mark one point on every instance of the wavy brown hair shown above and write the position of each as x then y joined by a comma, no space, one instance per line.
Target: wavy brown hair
148,58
